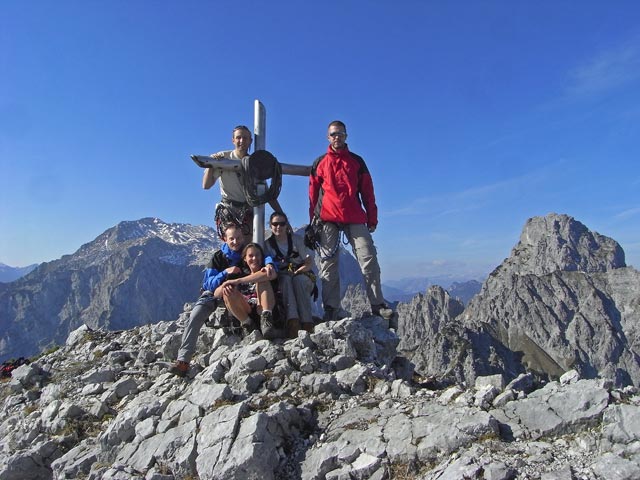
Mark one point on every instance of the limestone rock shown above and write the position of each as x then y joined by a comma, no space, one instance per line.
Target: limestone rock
564,300
561,243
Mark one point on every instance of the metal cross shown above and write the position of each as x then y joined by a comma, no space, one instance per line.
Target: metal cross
259,132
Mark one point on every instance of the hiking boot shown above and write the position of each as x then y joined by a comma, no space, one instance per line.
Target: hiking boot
329,314
293,325
179,368
247,327
393,321
382,310
266,324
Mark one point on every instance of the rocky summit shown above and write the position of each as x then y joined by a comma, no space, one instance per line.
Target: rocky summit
563,300
321,406
456,393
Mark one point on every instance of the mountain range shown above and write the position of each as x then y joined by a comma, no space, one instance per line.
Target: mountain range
399,290
135,273
535,378
9,274
405,289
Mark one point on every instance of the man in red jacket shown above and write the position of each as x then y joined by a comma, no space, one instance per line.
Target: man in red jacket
341,195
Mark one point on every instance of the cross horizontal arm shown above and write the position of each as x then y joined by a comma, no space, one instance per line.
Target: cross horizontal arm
205,161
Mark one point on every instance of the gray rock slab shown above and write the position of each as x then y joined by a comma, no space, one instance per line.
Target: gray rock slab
215,437
621,424
176,448
490,380
563,473
353,379
76,462
451,430
551,410
207,395
612,467
397,433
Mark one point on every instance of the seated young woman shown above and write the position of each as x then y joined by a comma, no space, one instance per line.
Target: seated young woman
249,296
295,275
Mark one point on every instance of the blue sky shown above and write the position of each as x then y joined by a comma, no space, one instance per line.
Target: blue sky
472,116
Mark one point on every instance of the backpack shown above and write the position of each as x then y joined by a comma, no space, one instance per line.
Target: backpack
257,168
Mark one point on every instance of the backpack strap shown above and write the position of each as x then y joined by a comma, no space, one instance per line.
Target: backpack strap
274,244
289,245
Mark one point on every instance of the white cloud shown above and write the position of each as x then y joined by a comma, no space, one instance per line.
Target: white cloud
625,214
607,70
470,199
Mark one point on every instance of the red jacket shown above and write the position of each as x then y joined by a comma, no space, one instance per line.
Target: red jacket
341,184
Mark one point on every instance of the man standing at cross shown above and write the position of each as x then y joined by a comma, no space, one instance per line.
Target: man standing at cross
341,195
233,206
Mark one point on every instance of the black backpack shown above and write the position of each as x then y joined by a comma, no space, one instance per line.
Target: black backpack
257,168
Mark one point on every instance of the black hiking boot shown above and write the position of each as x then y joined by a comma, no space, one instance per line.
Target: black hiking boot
266,324
247,327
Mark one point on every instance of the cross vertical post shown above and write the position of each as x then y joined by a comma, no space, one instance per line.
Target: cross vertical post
260,142
259,132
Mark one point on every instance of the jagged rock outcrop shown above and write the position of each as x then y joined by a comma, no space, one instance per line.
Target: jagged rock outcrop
563,300
322,406
557,301
560,243
430,336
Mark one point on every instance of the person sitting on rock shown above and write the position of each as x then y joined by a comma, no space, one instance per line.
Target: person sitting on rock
249,296
223,264
295,276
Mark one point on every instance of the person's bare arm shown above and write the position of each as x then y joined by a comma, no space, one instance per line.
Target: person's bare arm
208,178
261,275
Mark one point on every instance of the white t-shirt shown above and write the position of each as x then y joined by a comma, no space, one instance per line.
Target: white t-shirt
230,180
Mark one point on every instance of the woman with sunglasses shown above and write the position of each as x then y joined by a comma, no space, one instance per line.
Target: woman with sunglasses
295,276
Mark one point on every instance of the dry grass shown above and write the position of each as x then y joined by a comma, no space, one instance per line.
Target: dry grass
407,471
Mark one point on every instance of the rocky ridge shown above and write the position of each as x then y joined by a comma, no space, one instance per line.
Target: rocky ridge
563,300
469,396
322,406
